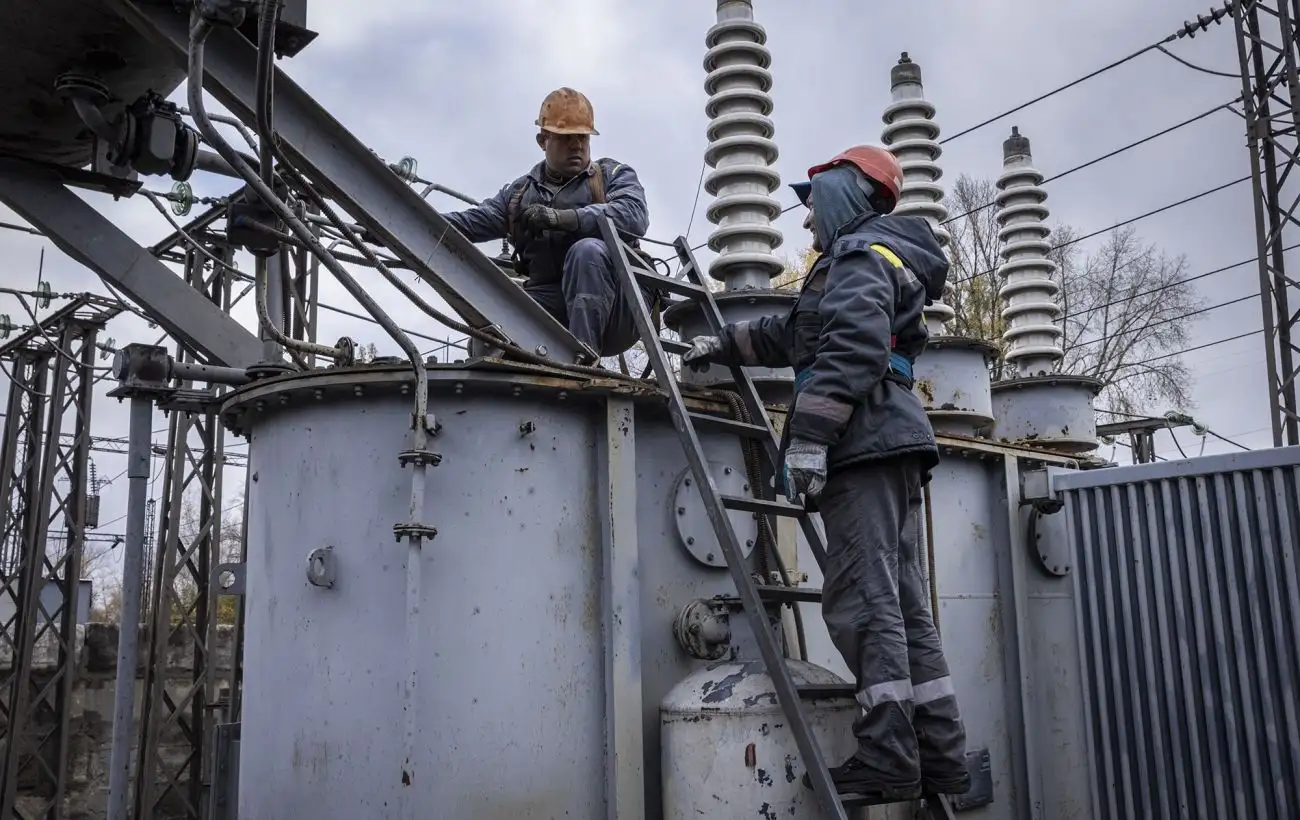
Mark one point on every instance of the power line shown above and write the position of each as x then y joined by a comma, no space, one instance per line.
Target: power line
1170,285
1187,30
1164,356
1108,155
1129,221
1169,320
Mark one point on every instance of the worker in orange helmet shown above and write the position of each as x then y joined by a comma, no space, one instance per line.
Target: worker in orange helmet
551,217
858,447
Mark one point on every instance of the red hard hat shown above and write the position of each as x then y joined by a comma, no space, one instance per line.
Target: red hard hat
877,164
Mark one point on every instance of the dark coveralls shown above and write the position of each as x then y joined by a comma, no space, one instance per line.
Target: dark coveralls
571,275
853,393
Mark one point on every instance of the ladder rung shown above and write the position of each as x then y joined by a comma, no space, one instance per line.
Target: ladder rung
811,691
758,505
673,346
789,595
719,424
681,288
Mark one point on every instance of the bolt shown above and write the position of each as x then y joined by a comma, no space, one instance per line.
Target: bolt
749,542
687,482
690,539
726,471
709,558
746,486
694,629
542,350
681,511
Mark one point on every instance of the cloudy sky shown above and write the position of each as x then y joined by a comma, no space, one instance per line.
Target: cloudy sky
457,86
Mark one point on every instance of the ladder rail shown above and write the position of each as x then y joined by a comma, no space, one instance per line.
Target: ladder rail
749,396
719,517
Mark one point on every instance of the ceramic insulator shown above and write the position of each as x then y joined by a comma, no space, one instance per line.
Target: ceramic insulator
741,151
912,135
1029,293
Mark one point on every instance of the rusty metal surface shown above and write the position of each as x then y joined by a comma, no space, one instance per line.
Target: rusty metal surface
1050,411
1189,618
952,381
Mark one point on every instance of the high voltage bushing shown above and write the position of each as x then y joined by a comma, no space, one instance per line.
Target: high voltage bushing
912,135
952,376
1036,404
1031,336
741,150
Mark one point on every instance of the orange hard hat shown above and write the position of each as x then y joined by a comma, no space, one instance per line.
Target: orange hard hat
565,111
877,164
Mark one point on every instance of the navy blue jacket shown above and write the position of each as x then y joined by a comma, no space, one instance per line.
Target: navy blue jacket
870,287
542,257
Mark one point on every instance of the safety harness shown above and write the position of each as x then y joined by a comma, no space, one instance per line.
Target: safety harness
596,187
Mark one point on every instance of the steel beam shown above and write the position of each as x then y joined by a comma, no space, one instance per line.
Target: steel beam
621,594
345,170
87,236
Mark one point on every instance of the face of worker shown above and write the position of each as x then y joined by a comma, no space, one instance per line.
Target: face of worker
566,154
808,225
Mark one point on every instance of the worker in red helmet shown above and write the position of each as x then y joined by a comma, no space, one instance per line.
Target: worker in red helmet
858,447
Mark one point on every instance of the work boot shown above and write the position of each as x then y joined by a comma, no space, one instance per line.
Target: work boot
855,777
944,782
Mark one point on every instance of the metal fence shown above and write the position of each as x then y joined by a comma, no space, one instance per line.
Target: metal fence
1188,604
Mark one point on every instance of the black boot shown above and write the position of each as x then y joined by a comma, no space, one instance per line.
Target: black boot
855,777
956,782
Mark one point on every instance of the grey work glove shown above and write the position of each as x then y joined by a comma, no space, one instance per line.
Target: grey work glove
804,470
703,349
538,218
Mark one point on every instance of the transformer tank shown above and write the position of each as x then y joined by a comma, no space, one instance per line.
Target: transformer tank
510,693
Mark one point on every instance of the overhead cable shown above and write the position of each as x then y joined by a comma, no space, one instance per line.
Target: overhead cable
1166,321
1163,132
1187,30
1122,224
1170,285
1216,343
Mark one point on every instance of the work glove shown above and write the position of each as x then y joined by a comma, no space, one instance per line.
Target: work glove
703,349
538,218
804,470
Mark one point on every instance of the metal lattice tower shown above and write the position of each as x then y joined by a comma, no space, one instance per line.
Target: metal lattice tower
1031,336
187,551
912,135
44,478
1268,47
741,151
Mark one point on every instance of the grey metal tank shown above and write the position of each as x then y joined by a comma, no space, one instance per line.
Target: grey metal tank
727,748
510,707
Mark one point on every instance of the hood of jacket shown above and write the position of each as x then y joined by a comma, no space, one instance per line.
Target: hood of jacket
841,206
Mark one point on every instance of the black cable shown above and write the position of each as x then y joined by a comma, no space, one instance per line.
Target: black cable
1170,320
1173,435
1129,221
1226,439
1170,285
1187,30
1234,75
1163,356
1108,155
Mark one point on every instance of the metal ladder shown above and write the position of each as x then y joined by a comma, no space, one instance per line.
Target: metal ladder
754,598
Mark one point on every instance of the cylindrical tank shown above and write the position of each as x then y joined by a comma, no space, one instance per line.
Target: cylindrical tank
510,706
728,750
39,41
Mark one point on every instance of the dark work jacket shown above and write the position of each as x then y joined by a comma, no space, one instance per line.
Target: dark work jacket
542,257
873,284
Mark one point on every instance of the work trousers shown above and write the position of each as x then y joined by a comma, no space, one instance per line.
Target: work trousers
878,614
589,301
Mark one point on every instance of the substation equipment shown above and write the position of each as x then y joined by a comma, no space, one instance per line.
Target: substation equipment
489,588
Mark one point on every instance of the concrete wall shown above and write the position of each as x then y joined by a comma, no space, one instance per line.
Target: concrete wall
92,715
